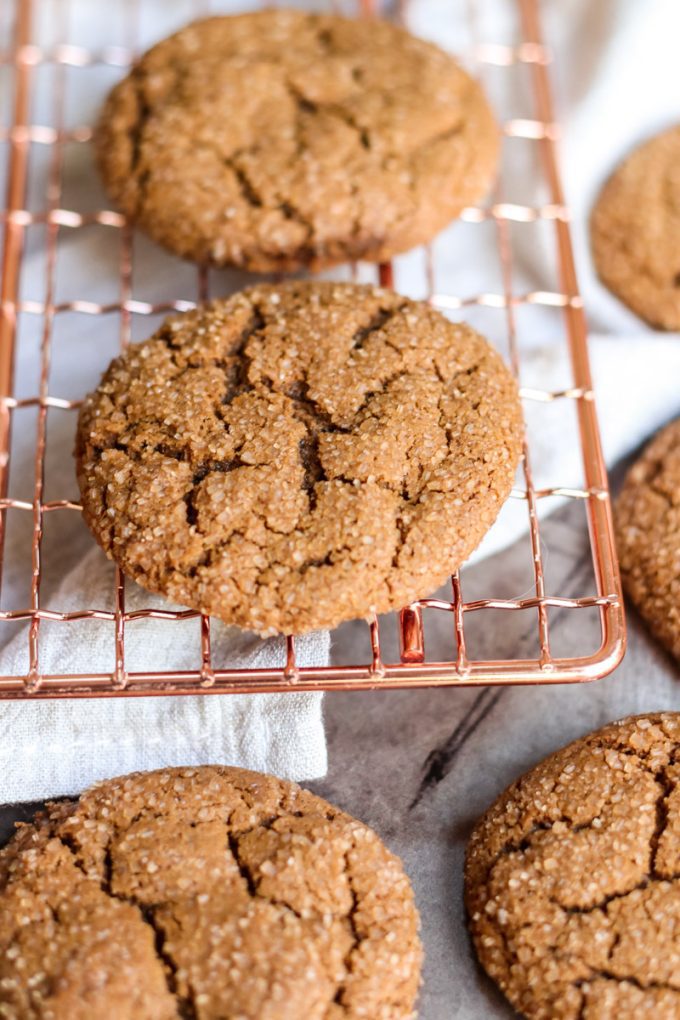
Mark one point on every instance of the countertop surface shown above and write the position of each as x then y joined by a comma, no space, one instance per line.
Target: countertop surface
420,766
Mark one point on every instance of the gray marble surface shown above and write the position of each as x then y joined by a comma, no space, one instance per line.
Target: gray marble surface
420,766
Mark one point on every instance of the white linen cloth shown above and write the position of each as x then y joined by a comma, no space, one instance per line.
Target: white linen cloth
615,79
616,71
59,747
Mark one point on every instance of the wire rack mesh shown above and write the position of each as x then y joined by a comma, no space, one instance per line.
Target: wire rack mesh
24,138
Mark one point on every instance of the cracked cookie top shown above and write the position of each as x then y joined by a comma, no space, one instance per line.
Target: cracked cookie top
299,455
635,227
281,139
572,880
204,894
647,519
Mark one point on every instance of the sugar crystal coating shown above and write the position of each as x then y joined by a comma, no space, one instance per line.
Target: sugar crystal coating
212,893
299,455
572,878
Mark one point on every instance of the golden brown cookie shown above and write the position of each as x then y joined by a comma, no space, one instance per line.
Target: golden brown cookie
635,228
280,139
299,454
647,518
212,893
572,878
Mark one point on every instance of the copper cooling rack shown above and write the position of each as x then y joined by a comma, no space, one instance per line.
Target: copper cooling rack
20,136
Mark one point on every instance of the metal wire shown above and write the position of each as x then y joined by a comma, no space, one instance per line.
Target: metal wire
413,668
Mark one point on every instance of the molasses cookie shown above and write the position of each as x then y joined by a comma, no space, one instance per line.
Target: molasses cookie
280,139
299,455
635,228
205,892
647,519
571,879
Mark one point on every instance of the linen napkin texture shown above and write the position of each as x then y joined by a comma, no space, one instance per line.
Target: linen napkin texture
614,76
60,747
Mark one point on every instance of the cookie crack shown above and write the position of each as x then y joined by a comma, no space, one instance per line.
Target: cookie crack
348,118
309,411
513,846
304,107
254,198
608,975
185,1007
403,528
251,884
201,472
325,39
171,451
602,904
248,190
402,522
402,373
614,946
295,215
244,872
270,821
375,323
238,373
303,104
662,815
313,469
222,467
135,131
69,843
325,561
443,136
525,843
627,752
354,931
208,556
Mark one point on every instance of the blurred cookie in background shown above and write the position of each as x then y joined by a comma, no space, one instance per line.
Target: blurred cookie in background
647,520
279,139
635,231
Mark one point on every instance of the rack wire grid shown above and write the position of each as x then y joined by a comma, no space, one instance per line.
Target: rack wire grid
24,60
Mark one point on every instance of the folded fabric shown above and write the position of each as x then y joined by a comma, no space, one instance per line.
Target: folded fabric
52,748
